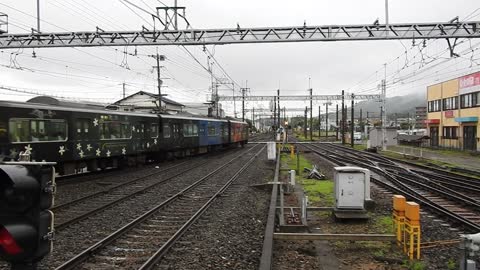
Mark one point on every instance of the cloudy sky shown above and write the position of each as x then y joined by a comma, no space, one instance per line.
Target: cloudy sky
97,74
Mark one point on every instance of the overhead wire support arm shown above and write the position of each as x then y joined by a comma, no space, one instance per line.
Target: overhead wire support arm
421,31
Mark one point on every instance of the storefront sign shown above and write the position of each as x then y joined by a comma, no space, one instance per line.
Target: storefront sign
469,83
466,119
448,114
432,121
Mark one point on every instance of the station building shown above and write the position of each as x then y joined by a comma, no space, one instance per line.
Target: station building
453,112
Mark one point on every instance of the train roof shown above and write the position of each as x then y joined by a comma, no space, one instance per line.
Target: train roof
32,105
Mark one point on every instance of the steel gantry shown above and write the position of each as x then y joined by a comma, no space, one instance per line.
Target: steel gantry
300,98
470,29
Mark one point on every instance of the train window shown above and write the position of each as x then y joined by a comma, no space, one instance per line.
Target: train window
190,130
3,130
154,131
211,130
195,130
166,131
125,130
26,130
57,130
79,126
115,130
82,125
104,131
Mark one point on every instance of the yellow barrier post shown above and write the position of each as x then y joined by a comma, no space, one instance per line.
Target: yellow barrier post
292,151
412,228
399,202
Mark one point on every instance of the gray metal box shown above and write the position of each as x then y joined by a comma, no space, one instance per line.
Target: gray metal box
350,187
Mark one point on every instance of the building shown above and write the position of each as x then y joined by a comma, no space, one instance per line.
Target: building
420,117
453,111
375,136
147,102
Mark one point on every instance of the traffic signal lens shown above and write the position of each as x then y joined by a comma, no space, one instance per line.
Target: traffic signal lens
8,243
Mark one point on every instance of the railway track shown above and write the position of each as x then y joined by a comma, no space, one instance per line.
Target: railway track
79,209
446,200
84,207
144,241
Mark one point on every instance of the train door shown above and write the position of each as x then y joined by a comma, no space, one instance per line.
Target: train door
82,129
434,136
469,138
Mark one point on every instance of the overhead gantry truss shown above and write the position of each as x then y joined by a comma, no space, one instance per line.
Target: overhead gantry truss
243,35
301,98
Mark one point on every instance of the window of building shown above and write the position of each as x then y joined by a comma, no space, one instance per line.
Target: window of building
470,100
450,132
450,103
34,130
434,105
166,131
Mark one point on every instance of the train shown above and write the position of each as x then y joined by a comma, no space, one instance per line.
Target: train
83,138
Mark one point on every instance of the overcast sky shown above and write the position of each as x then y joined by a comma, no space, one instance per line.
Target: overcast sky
98,73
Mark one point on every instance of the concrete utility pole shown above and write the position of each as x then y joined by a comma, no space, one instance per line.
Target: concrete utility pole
336,129
311,115
305,123
243,103
342,128
326,120
275,113
279,110
159,58
319,121
38,16
123,86
352,124
384,111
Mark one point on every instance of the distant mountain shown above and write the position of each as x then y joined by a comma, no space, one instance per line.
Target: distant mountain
401,105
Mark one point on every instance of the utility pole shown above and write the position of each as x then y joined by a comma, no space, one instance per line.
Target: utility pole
243,104
274,114
326,121
253,117
361,120
352,124
305,123
384,112
159,58
123,84
319,121
38,16
336,129
343,118
311,115
279,110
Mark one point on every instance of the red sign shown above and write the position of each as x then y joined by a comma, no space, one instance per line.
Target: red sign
432,121
469,83
449,114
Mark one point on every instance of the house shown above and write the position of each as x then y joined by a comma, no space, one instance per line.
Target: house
147,102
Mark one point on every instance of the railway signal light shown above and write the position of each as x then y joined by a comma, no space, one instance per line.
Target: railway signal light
26,224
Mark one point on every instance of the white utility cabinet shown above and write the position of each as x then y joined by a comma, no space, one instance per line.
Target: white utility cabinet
352,187
271,150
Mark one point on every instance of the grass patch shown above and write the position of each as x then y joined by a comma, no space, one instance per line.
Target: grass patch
318,191
384,224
